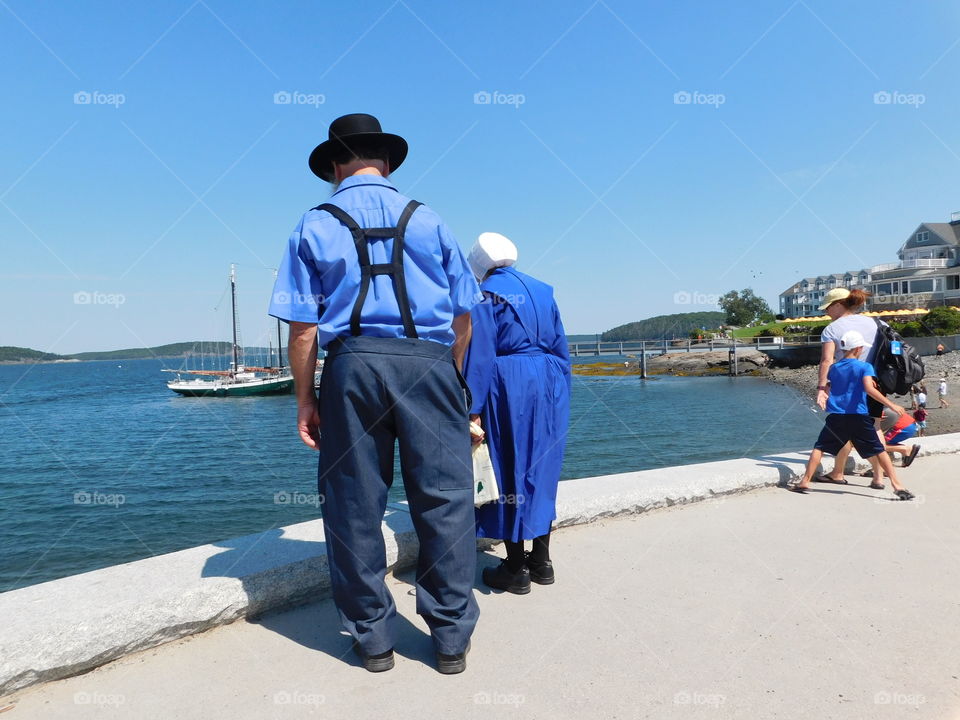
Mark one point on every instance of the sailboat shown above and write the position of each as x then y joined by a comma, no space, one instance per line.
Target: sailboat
239,380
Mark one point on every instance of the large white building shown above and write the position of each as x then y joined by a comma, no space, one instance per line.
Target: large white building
927,275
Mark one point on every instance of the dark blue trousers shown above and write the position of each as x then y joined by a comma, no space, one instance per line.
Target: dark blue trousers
376,392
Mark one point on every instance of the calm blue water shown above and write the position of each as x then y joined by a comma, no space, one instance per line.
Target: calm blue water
101,464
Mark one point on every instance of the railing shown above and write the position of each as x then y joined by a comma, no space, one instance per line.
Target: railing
925,263
915,264
636,347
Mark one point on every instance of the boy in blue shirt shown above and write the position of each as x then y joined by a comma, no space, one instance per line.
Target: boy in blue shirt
851,381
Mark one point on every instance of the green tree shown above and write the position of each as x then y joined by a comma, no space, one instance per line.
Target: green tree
743,308
942,321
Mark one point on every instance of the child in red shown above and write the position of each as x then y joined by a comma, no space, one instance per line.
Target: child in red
920,415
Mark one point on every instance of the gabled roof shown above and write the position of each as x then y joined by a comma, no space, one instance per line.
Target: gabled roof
941,234
949,233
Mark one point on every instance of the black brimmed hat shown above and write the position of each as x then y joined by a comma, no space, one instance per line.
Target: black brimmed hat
354,133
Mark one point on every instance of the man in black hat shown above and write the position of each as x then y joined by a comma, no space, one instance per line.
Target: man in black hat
379,282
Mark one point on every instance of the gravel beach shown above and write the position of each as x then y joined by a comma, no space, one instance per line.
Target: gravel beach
803,380
939,421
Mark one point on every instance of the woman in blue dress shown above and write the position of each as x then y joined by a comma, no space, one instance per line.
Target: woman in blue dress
518,371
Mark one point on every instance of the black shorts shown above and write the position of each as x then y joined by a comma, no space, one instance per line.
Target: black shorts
874,407
839,429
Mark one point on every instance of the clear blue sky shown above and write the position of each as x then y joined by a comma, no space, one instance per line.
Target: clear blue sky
615,194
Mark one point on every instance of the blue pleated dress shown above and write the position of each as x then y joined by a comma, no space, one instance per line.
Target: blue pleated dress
518,371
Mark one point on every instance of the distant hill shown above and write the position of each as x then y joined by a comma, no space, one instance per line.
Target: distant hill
665,327
9,353
183,349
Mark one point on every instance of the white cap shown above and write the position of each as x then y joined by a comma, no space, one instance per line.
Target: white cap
851,339
491,250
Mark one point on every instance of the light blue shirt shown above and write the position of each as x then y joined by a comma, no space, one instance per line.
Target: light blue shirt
319,276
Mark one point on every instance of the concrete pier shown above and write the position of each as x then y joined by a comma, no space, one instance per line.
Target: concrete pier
842,603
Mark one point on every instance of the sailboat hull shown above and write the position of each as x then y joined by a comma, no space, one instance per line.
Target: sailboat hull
204,388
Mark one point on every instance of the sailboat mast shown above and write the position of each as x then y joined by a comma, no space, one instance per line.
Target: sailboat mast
279,336
279,346
233,312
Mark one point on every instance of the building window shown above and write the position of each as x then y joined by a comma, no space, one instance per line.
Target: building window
883,289
953,282
922,236
921,286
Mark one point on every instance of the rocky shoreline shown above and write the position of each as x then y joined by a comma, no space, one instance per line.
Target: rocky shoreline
802,380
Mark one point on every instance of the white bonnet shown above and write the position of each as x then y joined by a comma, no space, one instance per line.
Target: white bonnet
491,250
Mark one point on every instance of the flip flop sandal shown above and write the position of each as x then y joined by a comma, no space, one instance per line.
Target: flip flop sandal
876,486
797,489
829,480
904,495
908,460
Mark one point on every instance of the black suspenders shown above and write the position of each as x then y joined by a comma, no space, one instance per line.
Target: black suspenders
394,268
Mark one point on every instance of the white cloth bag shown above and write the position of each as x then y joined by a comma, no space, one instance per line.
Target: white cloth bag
485,488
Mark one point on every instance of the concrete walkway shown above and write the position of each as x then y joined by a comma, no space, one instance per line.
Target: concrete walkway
838,604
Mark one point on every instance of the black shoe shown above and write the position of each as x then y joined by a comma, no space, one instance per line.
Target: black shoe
374,663
452,664
501,578
541,571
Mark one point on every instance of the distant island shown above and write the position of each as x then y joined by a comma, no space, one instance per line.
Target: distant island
665,327
10,354
655,328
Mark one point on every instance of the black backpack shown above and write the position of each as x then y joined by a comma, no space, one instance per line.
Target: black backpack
898,364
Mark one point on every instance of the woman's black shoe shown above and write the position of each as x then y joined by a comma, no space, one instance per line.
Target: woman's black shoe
541,571
501,578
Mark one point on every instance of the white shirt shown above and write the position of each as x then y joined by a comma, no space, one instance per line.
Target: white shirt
864,325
